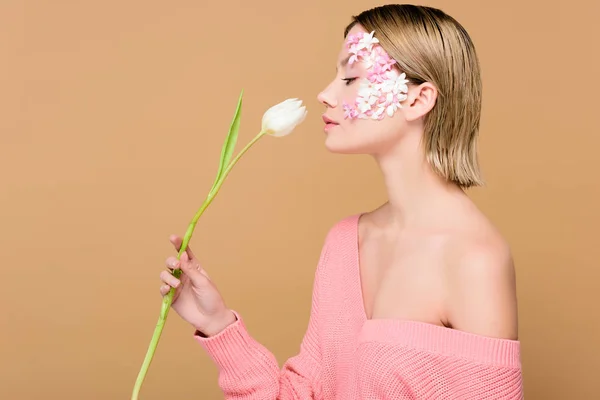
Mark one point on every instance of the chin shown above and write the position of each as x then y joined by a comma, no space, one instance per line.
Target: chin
340,144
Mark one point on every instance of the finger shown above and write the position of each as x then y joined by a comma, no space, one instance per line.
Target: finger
164,289
193,270
169,279
172,263
177,241
193,264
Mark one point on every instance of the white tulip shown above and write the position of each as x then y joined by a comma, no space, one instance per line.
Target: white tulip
281,119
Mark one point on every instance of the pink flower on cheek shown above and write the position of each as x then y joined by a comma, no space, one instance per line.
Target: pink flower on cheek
349,111
354,51
379,63
376,73
383,60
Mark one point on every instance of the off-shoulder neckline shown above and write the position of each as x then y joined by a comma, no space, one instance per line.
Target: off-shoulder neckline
426,336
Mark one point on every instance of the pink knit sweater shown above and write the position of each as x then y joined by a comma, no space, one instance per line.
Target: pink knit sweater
345,356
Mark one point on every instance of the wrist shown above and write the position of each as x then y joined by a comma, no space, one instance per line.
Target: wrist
217,324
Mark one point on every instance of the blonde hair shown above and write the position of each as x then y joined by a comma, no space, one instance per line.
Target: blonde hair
430,46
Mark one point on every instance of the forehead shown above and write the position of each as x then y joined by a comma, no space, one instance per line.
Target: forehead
357,28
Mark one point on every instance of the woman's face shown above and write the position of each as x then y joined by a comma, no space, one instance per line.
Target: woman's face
364,102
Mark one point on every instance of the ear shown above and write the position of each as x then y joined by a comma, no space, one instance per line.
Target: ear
420,101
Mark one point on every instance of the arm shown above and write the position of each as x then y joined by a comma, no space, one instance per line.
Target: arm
249,371
483,292
480,357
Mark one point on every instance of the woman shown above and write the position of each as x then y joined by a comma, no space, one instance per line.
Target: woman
416,299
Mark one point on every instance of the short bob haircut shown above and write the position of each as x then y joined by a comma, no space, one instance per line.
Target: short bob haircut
430,46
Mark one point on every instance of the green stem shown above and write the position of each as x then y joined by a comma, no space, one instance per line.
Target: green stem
168,299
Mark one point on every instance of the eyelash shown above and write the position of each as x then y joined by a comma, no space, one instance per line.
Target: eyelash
348,80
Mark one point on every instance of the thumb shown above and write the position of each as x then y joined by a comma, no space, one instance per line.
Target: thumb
193,270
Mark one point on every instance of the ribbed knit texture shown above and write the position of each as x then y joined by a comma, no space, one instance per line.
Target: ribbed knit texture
345,356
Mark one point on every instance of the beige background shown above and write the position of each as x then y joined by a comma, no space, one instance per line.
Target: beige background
112,118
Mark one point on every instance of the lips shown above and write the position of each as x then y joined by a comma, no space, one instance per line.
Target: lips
329,121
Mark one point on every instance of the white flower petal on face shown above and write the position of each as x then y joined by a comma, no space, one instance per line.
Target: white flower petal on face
401,97
365,86
363,106
391,109
389,97
282,118
369,93
364,93
377,113
400,84
368,40
400,87
388,85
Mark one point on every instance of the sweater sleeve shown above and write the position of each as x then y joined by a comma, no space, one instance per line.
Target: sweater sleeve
249,371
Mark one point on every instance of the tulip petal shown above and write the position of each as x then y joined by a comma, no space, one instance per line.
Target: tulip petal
281,119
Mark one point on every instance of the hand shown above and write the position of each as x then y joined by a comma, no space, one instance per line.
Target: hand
196,299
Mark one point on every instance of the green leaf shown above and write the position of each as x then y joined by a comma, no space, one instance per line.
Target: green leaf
230,141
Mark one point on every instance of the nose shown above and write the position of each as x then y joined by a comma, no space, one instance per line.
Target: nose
327,98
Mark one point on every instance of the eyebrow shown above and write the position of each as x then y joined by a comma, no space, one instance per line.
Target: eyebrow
344,62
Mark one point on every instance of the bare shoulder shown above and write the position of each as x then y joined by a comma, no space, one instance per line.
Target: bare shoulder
482,295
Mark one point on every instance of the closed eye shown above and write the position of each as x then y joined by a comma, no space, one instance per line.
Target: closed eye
348,80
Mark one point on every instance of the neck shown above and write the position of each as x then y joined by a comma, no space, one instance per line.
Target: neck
416,194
